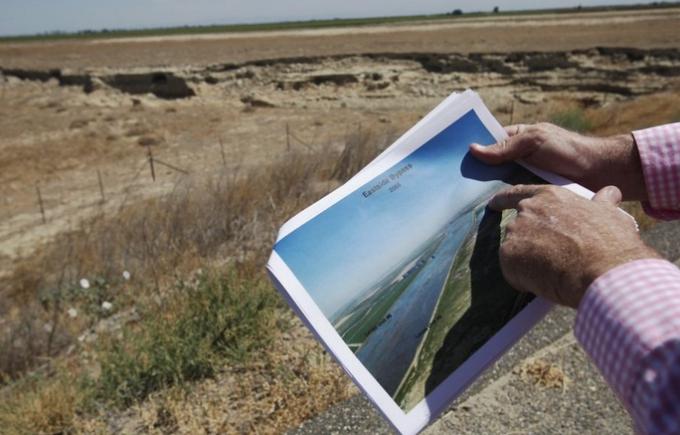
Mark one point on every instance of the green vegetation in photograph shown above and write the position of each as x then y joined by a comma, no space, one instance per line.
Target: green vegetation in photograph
372,312
453,302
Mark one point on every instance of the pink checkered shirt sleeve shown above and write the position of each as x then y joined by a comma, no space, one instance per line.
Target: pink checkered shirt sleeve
629,324
659,149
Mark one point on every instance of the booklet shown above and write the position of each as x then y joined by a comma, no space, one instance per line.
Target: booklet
397,274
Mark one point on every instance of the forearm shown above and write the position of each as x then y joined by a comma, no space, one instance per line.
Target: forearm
629,324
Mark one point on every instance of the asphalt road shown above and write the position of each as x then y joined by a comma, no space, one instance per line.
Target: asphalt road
504,400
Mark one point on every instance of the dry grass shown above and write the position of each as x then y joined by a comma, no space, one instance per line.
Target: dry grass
642,112
200,325
573,119
229,217
287,379
289,382
185,331
543,374
41,404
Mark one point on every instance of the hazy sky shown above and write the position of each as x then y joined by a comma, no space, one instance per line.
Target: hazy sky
37,16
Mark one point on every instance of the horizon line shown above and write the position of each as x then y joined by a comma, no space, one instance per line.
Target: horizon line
246,26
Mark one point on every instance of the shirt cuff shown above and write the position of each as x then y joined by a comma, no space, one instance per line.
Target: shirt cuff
664,215
625,314
659,149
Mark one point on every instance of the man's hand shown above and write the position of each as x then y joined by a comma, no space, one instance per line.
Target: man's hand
559,243
590,161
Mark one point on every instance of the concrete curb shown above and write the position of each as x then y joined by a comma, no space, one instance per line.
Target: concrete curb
503,401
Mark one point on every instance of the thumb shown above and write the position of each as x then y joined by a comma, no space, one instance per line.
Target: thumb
512,148
609,194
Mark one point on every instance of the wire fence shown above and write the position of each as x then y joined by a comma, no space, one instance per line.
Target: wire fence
50,197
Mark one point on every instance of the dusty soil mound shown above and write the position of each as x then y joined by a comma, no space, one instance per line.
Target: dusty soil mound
161,84
593,70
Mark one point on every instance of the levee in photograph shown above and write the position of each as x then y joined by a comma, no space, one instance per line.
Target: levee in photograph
406,268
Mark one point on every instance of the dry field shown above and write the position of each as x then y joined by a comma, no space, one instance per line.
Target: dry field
218,107
546,32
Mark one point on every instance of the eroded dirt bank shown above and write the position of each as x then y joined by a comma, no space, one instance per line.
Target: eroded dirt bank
61,130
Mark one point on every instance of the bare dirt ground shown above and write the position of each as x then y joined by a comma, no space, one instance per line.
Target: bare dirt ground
106,98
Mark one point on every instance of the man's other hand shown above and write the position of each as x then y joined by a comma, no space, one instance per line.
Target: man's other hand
590,161
559,243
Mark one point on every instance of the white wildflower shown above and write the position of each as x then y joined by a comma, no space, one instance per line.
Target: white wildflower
47,327
84,283
126,275
106,305
72,313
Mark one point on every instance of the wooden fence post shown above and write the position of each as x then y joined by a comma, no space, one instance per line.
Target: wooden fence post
40,203
224,158
512,111
101,186
149,155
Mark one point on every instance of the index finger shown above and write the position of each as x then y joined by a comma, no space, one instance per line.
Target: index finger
510,197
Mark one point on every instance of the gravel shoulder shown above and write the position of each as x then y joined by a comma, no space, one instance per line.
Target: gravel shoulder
508,398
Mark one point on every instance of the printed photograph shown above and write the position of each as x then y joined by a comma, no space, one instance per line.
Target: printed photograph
406,267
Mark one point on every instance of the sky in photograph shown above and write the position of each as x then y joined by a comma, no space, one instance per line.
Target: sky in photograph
18,17
350,247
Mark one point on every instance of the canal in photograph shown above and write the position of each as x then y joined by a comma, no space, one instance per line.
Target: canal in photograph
388,352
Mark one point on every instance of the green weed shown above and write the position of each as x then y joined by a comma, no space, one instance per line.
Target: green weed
41,404
214,320
572,119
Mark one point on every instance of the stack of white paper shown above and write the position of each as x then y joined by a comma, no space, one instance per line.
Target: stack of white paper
396,272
